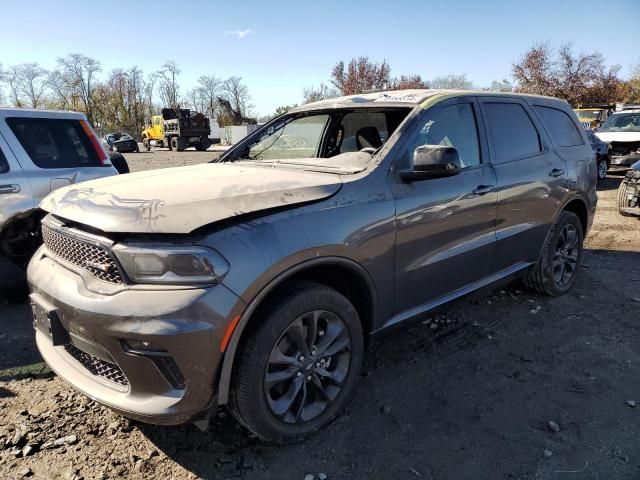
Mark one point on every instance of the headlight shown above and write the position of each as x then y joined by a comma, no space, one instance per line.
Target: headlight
171,264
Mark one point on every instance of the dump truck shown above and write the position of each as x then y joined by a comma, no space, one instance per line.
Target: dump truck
177,129
593,115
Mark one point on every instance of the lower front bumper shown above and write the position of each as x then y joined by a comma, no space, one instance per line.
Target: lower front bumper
185,326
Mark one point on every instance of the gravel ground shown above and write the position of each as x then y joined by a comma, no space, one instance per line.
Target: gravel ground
502,385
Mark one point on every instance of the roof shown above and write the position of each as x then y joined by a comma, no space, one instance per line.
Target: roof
37,113
400,98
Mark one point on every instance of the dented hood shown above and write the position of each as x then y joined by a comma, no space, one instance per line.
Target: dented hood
179,200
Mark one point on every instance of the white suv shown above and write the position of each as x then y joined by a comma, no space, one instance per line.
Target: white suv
40,151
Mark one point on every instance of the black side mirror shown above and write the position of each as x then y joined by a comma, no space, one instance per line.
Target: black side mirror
433,161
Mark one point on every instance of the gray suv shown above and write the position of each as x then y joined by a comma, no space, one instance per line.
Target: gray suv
255,281
40,151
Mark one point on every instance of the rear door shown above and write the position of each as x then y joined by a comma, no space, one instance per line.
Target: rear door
54,152
445,227
532,180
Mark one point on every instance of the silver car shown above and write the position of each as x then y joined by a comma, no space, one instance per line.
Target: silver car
40,151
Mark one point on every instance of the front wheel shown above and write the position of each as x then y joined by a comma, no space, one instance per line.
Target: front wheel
556,270
297,368
146,144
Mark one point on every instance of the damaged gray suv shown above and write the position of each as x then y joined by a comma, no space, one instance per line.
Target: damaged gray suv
254,281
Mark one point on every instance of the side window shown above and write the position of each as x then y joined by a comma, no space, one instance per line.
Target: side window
454,126
562,128
514,134
54,143
4,165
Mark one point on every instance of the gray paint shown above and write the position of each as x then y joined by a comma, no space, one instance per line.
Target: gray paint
415,245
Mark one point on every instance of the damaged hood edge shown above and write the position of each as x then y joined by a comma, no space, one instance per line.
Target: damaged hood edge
180,200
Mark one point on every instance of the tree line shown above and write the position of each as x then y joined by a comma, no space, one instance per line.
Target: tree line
122,99
125,99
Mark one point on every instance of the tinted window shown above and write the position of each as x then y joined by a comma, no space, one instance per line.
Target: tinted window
4,165
513,132
54,143
454,126
563,130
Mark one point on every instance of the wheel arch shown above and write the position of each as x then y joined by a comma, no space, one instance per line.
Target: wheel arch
578,206
345,275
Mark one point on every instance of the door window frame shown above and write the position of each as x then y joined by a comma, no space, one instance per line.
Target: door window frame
418,122
542,134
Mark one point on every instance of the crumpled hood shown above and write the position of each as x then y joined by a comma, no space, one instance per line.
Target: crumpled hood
179,200
618,136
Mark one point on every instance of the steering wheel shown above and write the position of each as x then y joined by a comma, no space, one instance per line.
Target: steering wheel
370,150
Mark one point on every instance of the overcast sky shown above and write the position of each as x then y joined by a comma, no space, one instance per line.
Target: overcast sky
278,48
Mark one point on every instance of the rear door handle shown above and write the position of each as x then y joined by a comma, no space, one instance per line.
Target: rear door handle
13,188
483,189
556,172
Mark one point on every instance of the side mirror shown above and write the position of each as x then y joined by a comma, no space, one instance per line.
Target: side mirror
433,161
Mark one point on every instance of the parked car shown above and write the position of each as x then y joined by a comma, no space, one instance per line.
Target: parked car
40,151
603,154
120,142
629,192
622,132
255,281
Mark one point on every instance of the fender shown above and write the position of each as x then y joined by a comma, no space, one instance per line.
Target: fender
230,352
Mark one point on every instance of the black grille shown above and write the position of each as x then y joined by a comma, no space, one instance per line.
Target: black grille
98,367
93,258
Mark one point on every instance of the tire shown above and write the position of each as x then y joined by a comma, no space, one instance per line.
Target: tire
146,144
203,145
543,277
173,144
137,149
252,401
181,144
602,167
13,281
622,201
119,162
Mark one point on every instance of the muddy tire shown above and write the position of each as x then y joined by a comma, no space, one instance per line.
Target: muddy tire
556,270
296,369
119,163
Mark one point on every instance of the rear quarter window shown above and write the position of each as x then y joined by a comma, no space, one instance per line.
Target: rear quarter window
514,134
4,165
562,129
54,143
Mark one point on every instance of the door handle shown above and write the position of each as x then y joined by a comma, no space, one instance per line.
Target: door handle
13,188
483,189
556,172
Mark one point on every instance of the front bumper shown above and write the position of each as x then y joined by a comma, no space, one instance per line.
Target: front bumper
185,326
624,160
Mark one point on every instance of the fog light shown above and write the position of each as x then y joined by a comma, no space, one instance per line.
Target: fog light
142,345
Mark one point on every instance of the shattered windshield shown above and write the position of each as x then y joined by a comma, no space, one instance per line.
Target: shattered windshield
292,138
622,123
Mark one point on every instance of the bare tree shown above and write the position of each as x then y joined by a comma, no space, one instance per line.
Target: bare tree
168,83
321,92
79,72
210,89
455,82
576,77
360,75
11,77
237,94
503,85
32,84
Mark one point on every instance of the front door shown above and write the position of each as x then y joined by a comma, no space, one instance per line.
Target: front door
445,227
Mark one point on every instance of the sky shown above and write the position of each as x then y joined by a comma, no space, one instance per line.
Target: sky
281,47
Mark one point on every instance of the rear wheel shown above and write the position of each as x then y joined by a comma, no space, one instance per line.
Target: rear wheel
146,144
181,144
119,162
603,168
297,369
555,272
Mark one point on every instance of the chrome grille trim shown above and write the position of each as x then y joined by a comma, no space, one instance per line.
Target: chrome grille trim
92,257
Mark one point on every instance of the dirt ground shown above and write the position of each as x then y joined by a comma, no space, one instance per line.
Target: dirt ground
467,394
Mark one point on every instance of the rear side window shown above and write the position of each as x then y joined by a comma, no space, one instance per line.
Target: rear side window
4,165
563,130
513,132
54,143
